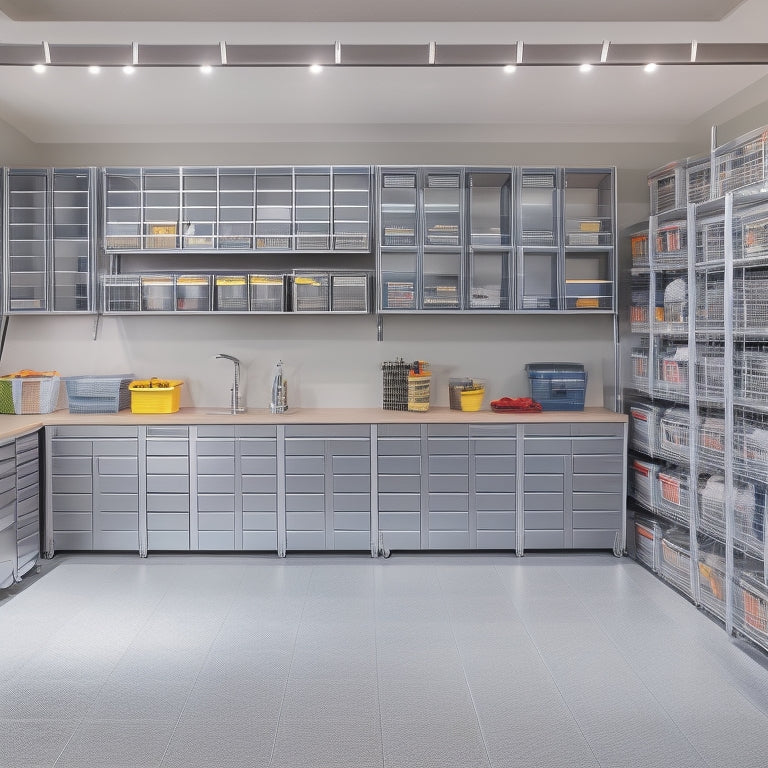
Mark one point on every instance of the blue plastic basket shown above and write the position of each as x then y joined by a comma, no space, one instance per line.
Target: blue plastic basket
558,386
98,394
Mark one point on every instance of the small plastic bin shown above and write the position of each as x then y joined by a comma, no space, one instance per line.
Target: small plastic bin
466,394
558,386
155,395
29,394
98,394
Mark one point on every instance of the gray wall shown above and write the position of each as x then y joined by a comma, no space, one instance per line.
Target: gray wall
332,361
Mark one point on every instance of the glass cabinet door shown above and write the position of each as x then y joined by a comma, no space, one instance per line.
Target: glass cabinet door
489,278
312,213
274,208
398,208
399,287
199,207
588,207
442,208
351,209
27,265
588,279
539,219
161,199
539,279
237,207
71,240
123,213
441,279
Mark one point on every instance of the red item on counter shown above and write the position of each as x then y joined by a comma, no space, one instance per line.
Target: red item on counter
515,405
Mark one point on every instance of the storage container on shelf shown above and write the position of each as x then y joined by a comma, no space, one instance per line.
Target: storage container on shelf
673,370
98,394
675,565
643,481
674,435
558,386
155,395
751,607
25,393
712,441
466,394
640,358
648,535
644,427
673,495
676,302
711,565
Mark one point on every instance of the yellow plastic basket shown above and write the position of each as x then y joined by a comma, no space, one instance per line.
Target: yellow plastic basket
163,396
472,399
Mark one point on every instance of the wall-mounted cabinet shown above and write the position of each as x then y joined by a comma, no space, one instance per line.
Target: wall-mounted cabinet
473,238
49,240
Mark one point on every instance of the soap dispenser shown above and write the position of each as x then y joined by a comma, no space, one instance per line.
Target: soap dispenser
279,402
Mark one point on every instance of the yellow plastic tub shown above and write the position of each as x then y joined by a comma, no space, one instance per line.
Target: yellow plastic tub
472,399
155,395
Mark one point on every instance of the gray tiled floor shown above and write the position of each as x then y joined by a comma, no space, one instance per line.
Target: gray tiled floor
451,661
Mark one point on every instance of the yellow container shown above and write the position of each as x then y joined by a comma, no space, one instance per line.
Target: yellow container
155,395
472,399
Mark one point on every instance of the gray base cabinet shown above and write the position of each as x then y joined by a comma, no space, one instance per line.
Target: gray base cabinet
7,514
27,503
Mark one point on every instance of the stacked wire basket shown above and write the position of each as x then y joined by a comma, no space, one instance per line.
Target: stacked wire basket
98,394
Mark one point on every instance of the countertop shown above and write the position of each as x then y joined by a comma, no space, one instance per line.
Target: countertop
12,426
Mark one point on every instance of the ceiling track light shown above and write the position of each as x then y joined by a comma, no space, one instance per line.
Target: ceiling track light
509,68
337,52
432,52
604,51
94,69
134,54
519,51
585,67
650,67
39,68
223,53
206,69
128,69
694,46
46,52
316,69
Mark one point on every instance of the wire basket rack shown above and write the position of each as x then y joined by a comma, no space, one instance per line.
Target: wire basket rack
311,291
643,479
676,560
395,385
349,293
639,249
672,245
98,394
698,180
751,607
712,578
675,319
648,535
750,310
667,188
267,292
755,238
231,293
638,311
740,164
672,372
712,441
710,303
710,241
751,447
640,370
121,293
674,435
710,373
673,495
711,505
751,375
644,427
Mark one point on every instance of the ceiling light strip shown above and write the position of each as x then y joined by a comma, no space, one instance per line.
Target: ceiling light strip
46,52
337,52
694,46
432,52
604,51
134,54
519,51
223,52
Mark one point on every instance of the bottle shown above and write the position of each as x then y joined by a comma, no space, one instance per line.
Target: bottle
279,403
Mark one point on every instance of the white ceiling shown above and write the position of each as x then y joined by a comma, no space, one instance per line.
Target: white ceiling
377,104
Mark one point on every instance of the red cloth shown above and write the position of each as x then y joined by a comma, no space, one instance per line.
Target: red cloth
516,404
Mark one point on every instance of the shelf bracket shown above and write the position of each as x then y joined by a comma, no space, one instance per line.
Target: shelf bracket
5,320
379,328
96,323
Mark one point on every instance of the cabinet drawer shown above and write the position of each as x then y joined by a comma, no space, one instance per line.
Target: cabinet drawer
544,501
72,521
496,539
32,504
398,430
122,465
305,521
72,465
352,484
449,483
609,445
494,446
258,465
399,502
8,452
223,541
305,484
216,521
72,448
448,502
71,484
258,447
218,430
167,483
399,483
492,502
118,521
216,502
216,484
31,467
547,445
598,501
448,465
399,447
305,540
255,430
117,502
167,502
544,483
603,519
259,484
593,483
304,502
27,443
259,541
76,540
167,465
215,448
72,502
171,540
352,541
327,430
447,445
539,520
304,465
546,464
594,539
496,465
448,540
110,484
178,432
607,464
167,447
259,502
115,448
89,431
562,429
495,521
351,521
506,431
351,465
7,484
448,430
352,502
400,465
159,521
260,521
399,521
216,465
401,540
495,483
598,429
544,539
350,447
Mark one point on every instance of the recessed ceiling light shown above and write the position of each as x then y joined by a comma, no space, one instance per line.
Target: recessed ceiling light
316,69
509,68
585,67
650,67
39,68
94,69
128,69
206,69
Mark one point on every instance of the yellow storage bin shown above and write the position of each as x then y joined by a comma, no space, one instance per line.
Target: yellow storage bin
155,395
472,399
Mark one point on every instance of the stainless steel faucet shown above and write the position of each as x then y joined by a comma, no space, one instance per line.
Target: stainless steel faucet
235,404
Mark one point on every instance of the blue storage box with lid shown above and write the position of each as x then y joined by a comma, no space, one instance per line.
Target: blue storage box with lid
558,386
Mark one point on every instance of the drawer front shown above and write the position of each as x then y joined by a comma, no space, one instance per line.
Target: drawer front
219,430
544,501
256,430
168,432
352,483
400,465
72,448
544,483
544,540
399,521
596,464
305,521
594,539
399,447
260,541
72,521
222,541
259,484
496,465
110,484
117,502
448,430
72,502
304,502
297,447
593,445
351,465
598,429
167,502
562,429
118,521
350,447
546,464
508,431
216,484
448,540
215,448
258,465
259,521
167,465
603,520
305,484
493,502
547,446
305,540
327,430
399,483
8,452
72,465
598,501
398,430
171,540
603,483
401,540
448,502
75,540
399,502
495,521
216,502
216,465
449,483
8,484
167,447
352,521
259,502
352,502
167,484
27,443
496,540
216,521
86,431
352,541
109,465
258,448
448,521
115,447
27,506
167,522
304,465
495,483
448,465
438,446
495,446
72,484
543,521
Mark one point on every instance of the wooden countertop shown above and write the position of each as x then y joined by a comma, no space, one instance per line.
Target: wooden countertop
12,426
